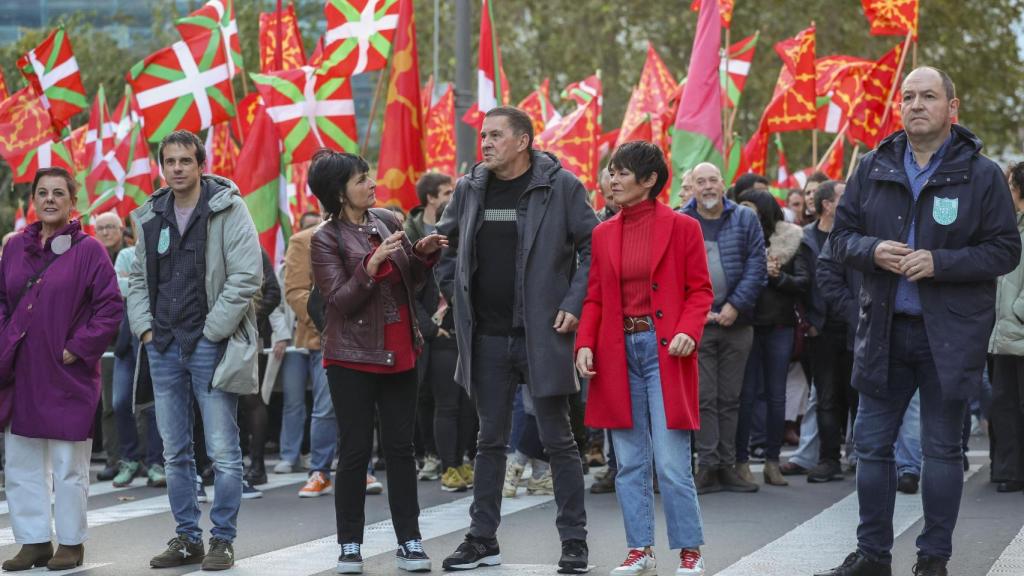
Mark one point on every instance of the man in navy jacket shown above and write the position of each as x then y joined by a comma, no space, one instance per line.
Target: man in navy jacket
930,223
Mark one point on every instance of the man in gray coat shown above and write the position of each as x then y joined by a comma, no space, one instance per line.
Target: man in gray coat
516,270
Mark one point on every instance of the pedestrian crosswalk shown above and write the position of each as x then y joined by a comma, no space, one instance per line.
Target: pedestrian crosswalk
789,531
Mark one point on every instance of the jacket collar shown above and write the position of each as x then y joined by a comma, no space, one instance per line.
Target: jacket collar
728,206
964,146
662,237
35,230
543,166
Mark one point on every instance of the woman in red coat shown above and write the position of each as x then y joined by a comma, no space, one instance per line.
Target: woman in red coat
649,295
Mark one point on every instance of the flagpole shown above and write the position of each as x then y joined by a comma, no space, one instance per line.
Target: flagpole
853,161
373,107
726,126
828,152
814,147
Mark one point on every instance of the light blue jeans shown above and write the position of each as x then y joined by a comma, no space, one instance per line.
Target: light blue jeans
808,452
650,443
297,368
177,380
908,444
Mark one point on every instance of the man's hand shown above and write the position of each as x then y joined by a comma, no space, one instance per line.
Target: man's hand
69,358
918,265
147,337
889,254
682,345
585,363
565,322
442,333
712,317
279,347
430,244
728,315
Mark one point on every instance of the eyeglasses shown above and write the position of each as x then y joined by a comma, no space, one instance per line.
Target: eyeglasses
107,227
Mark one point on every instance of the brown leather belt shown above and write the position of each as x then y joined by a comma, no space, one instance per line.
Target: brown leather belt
634,324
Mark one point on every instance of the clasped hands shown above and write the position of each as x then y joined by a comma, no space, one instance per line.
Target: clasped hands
898,258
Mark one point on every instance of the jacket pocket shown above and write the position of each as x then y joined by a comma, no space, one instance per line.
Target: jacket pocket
968,300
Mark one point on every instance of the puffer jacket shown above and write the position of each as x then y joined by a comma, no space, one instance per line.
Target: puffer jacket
777,302
1008,334
741,245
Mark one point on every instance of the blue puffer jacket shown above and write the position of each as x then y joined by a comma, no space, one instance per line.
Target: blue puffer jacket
741,245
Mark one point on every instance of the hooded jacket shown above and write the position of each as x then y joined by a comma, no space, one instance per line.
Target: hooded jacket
776,304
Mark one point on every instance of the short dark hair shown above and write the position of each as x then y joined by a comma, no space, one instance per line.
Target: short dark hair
747,181
186,139
518,120
429,185
768,211
818,176
329,173
642,159
60,173
794,192
308,214
827,191
1015,173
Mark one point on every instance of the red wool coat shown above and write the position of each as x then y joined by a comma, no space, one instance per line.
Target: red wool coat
681,297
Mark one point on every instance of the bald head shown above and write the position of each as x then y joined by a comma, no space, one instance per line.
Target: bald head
931,73
708,189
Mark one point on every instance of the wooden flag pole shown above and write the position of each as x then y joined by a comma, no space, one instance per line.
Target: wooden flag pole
853,161
814,147
896,81
373,108
913,61
828,152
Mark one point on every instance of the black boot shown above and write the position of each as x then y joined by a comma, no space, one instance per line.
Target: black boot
930,566
856,564
257,473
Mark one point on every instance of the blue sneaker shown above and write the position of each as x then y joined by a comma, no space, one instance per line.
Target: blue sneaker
249,492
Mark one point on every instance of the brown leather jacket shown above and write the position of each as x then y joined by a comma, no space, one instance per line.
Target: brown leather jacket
354,330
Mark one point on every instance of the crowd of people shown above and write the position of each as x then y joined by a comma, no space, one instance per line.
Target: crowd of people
505,325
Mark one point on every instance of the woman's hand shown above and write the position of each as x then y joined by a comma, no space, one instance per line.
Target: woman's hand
69,358
279,348
681,345
585,362
390,245
774,268
430,244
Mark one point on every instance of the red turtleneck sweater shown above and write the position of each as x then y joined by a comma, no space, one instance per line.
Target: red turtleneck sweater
637,229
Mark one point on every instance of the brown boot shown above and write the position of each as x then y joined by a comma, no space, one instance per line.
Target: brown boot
773,475
30,556
743,471
706,480
67,557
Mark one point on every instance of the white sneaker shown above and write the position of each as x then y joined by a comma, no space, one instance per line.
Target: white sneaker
691,563
543,486
284,467
431,469
637,563
513,472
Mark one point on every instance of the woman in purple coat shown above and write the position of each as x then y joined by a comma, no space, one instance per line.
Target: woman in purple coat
59,309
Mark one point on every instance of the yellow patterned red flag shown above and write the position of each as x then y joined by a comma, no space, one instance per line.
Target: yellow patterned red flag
879,84
891,17
284,52
574,141
24,123
439,135
725,8
793,106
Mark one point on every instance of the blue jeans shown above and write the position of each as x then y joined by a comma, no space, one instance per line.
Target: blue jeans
124,414
767,368
908,443
806,455
296,369
911,368
650,439
177,379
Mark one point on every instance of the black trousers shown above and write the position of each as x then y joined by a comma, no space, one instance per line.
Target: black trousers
454,418
1007,418
832,366
357,396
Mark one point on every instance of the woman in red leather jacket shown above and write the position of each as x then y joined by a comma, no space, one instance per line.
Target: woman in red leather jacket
368,273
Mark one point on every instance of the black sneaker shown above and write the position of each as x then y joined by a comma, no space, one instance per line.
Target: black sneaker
180,551
856,564
350,561
574,557
411,557
908,483
930,566
825,471
221,555
472,553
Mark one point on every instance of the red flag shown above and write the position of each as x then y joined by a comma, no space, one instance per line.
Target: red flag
427,96
754,157
649,101
897,17
284,53
832,165
4,94
24,123
839,85
574,141
725,8
247,110
880,84
45,156
100,138
123,180
75,144
186,86
793,104
538,107
401,149
221,150
440,134
216,16
258,177
52,71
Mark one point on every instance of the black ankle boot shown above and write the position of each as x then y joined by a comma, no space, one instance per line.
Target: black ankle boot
930,566
856,564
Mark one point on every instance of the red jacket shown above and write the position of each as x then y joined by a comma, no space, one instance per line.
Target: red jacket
681,297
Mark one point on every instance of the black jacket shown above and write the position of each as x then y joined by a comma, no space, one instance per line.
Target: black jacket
965,217
776,305
839,286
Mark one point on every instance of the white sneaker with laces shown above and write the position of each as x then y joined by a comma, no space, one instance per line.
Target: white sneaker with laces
691,563
543,486
513,472
284,467
431,469
637,563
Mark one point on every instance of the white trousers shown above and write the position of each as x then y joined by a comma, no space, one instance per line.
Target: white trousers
38,470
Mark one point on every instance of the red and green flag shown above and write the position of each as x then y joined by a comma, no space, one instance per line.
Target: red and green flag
52,71
123,180
215,16
697,134
359,35
258,175
186,86
491,84
310,111
741,55
538,107
126,115
280,41
401,159
99,139
47,155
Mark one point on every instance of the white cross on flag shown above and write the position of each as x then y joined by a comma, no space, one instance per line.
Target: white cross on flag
359,35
